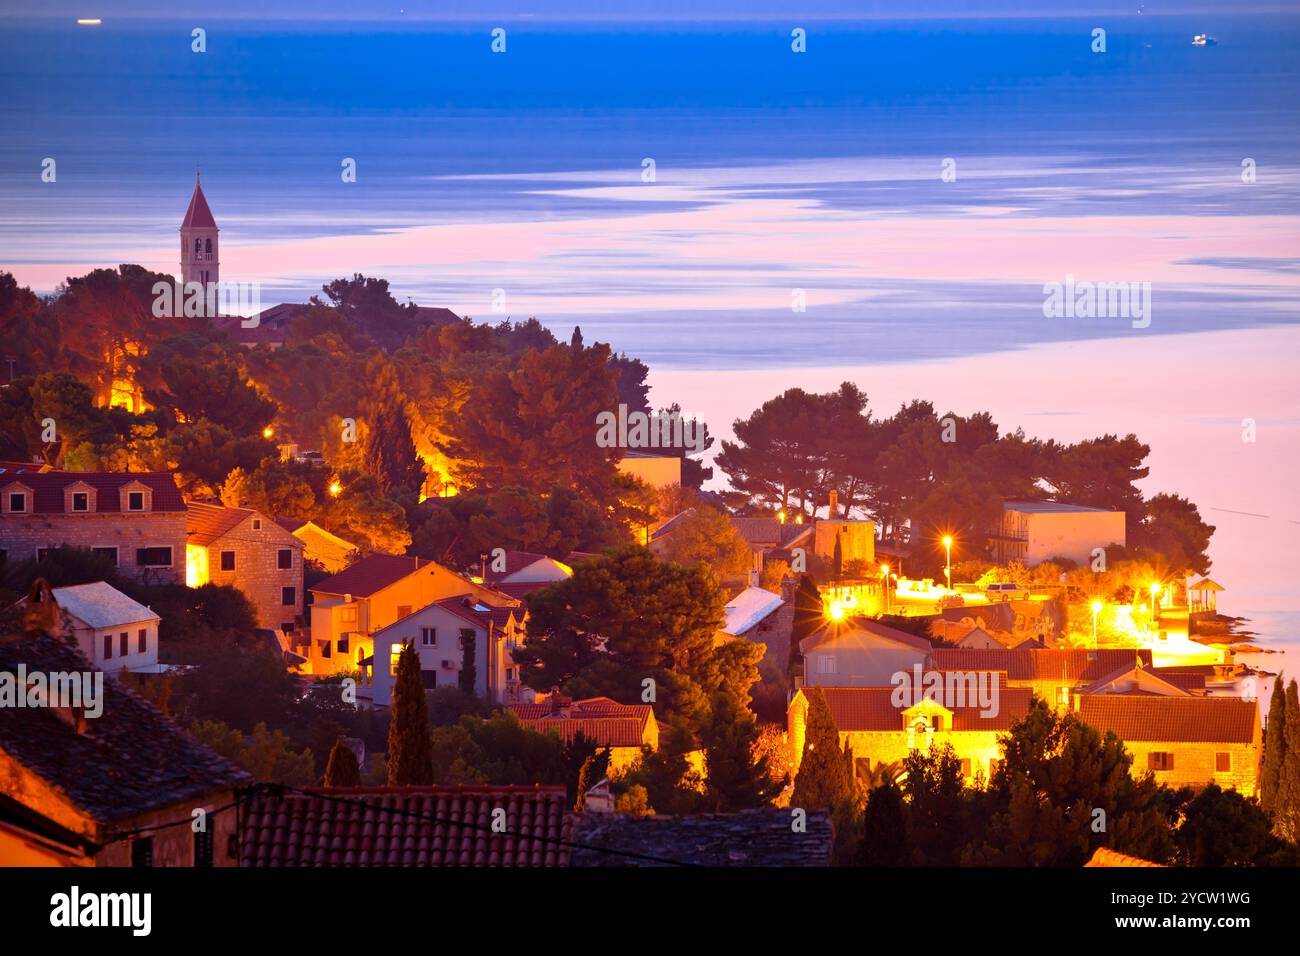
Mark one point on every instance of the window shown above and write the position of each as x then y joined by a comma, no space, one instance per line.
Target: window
993,767
288,596
203,848
510,673
343,644
429,636
403,610
1158,760
153,557
207,245
350,615
394,654
80,501
937,722
825,664
198,247
965,767
430,679
326,648
135,501
257,524
1223,762
227,560
108,646
141,641
124,644
142,852
18,502
284,559
110,553
42,554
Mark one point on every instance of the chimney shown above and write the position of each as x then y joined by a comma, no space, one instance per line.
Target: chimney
41,615
753,579
832,503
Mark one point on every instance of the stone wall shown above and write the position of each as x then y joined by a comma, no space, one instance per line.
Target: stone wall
22,535
257,573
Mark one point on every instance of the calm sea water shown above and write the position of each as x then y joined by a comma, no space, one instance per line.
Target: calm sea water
774,171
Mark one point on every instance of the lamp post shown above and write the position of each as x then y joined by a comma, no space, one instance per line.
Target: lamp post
1096,609
947,562
884,577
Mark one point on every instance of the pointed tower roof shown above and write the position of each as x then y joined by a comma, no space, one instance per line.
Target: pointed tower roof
198,214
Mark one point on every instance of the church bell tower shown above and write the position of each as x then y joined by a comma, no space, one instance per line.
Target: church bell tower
199,261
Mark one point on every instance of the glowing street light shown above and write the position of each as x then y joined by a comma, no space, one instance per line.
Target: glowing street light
1096,609
947,564
335,488
781,515
884,574
1155,589
268,431
837,612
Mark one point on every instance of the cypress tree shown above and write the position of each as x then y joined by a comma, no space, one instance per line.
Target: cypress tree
410,744
468,661
823,778
1270,774
1287,817
837,557
884,828
342,769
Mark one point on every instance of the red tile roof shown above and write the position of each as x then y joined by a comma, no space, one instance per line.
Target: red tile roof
370,575
606,721
1029,664
48,487
522,589
198,214
872,709
1228,720
1105,857
205,523
407,826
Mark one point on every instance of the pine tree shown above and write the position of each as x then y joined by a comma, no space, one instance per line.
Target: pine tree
736,778
884,828
823,778
342,769
1287,816
1270,774
388,453
410,745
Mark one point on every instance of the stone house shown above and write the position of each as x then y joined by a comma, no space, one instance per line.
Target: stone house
82,790
1183,741
320,546
137,519
245,549
1052,673
870,720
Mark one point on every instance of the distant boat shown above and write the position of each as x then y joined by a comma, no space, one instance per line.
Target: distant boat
1204,39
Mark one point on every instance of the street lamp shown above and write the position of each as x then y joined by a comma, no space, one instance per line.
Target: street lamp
1155,589
1096,609
837,612
884,574
947,564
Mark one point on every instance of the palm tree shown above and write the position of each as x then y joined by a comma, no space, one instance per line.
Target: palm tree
871,776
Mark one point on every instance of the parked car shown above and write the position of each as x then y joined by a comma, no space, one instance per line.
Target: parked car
1006,591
